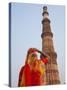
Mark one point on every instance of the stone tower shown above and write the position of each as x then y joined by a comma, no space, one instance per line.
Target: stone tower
52,74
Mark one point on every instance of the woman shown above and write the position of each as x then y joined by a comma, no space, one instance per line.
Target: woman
33,70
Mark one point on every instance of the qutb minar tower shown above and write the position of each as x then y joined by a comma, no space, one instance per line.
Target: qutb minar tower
52,73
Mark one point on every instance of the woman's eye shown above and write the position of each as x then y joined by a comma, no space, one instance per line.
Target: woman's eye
33,55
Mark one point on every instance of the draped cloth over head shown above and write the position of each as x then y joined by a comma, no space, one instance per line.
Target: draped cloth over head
32,73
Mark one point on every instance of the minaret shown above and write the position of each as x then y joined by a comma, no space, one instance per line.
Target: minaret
52,74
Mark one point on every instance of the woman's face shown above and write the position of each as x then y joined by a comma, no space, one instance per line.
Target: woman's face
32,58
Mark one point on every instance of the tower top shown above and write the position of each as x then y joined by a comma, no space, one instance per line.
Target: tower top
45,14
45,10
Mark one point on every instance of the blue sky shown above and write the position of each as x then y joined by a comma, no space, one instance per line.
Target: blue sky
26,29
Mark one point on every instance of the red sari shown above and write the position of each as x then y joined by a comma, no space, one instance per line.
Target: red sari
27,76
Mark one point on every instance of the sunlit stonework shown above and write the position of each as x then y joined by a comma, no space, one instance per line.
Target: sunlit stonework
52,74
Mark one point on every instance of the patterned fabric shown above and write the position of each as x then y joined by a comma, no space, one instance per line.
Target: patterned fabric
33,71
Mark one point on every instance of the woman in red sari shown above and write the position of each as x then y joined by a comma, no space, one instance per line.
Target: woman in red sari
30,74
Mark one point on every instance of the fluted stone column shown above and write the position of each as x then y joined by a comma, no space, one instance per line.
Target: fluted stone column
52,74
